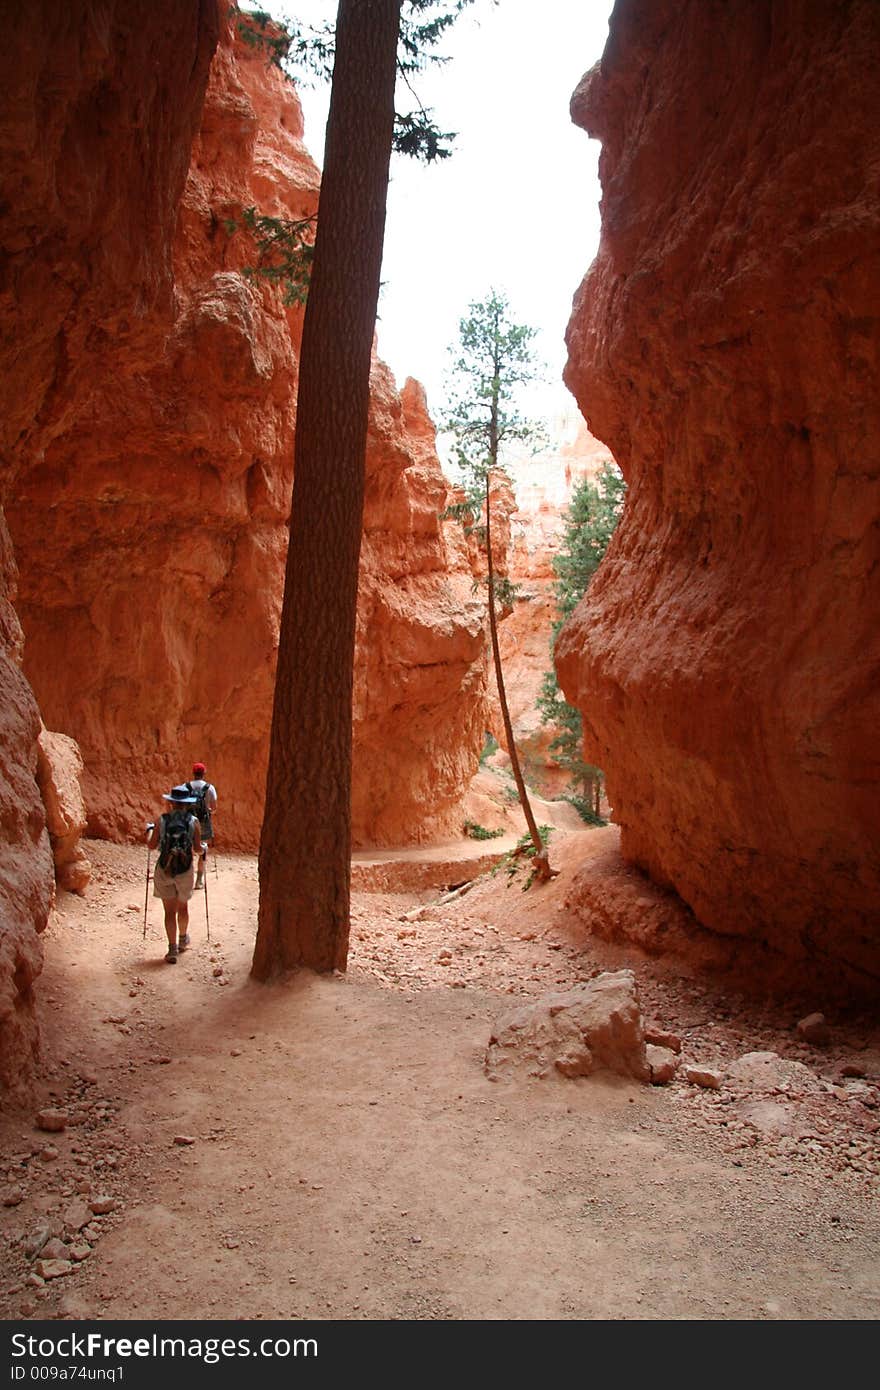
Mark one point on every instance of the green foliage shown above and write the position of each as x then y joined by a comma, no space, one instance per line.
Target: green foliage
306,49
521,856
489,747
271,36
479,832
593,514
492,361
286,248
586,809
285,251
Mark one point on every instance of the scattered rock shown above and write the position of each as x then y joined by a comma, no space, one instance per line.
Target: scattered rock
852,1069
861,1091
595,1026
48,1153
54,1249
102,1204
35,1242
184,1139
51,1120
767,1071
80,1252
814,1030
660,1038
663,1063
709,1078
12,1196
76,1216
52,1269
771,1117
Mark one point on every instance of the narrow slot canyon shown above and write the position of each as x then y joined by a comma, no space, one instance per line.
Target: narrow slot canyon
646,1088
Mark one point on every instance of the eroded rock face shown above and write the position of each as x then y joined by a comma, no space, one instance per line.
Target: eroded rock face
59,769
724,345
151,536
100,103
26,879
420,676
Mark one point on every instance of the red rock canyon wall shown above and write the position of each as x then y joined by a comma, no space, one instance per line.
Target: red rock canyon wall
724,344
99,107
151,529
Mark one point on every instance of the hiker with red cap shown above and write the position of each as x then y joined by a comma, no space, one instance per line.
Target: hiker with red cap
206,804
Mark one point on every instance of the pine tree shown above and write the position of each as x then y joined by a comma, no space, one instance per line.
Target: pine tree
494,359
305,844
593,514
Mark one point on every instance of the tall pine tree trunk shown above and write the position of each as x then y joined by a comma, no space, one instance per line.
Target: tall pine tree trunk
305,847
541,857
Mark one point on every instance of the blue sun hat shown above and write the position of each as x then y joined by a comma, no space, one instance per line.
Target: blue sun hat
180,796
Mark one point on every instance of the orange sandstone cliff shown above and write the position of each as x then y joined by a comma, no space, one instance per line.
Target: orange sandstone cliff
150,531
100,105
725,345
146,468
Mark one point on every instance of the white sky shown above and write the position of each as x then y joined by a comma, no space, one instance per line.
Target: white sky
515,208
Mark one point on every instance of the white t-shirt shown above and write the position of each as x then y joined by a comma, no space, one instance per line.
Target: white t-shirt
197,784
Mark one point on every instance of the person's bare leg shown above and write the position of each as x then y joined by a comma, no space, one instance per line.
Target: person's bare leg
182,925
170,905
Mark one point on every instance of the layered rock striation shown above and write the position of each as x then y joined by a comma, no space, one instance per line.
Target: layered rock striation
151,527
724,344
100,106
420,704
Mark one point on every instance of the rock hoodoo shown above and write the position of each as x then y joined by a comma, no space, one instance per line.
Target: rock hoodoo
724,345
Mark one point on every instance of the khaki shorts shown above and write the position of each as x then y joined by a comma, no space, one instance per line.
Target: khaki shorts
168,886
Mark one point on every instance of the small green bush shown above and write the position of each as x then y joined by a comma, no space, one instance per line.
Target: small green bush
489,747
479,832
522,851
585,810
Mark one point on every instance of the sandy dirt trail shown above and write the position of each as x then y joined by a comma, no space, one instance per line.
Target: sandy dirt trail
332,1148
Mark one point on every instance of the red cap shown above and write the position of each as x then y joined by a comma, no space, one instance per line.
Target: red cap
198,769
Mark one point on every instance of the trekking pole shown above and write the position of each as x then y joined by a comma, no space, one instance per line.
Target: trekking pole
147,884
207,919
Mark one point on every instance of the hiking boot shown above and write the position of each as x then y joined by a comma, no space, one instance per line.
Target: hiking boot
183,943
199,883
171,955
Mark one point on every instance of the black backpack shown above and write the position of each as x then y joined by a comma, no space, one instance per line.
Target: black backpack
175,846
201,806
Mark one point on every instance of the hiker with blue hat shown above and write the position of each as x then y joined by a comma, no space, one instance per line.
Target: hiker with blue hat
179,839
